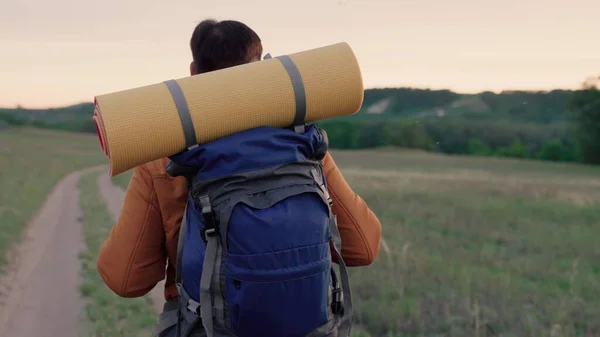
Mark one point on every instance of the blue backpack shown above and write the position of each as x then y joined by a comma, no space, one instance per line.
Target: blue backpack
254,254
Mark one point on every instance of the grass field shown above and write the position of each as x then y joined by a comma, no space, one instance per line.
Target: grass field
473,246
31,162
107,313
478,246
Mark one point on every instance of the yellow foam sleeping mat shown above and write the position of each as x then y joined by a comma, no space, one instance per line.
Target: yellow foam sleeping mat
139,125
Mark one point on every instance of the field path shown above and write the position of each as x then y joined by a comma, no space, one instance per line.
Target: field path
39,292
114,197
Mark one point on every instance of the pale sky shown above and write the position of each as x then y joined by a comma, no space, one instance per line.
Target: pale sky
59,52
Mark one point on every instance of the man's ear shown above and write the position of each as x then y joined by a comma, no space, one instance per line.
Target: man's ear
193,69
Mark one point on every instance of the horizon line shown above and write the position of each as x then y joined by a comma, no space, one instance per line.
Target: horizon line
497,92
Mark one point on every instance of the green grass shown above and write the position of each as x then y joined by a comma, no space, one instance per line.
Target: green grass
122,180
473,246
31,162
107,314
478,247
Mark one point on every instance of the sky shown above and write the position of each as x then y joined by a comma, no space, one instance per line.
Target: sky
60,52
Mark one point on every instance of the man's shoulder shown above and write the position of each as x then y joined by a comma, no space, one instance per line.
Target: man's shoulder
156,168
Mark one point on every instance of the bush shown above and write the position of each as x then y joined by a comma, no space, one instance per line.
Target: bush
477,147
554,150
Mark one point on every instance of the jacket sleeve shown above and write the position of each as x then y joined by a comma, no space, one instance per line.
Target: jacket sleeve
132,260
359,227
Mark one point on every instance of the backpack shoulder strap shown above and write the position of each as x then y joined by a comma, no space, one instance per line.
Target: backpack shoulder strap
212,254
175,170
347,310
346,293
180,241
190,303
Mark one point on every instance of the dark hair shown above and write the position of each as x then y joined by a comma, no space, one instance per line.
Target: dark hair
222,44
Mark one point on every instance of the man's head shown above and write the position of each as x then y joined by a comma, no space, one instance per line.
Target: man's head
217,45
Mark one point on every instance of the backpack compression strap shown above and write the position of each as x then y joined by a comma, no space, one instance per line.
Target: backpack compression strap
191,304
210,234
347,316
182,232
184,113
347,310
299,92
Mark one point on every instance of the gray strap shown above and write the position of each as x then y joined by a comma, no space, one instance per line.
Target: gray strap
184,114
346,324
167,319
335,234
208,268
319,180
347,317
192,305
219,306
299,91
205,204
206,307
325,329
188,323
180,241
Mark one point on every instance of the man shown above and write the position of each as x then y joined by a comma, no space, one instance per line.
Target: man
133,259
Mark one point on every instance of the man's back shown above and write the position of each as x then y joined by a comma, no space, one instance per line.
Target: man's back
144,241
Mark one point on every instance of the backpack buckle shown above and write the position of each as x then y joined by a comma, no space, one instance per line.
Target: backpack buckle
208,233
211,225
327,195
337,306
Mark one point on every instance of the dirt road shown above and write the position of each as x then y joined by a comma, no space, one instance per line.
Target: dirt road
39,292
114,197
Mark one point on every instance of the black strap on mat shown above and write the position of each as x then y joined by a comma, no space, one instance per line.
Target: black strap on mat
299,91
184,113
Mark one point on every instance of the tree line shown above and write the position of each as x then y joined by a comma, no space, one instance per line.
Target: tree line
555,142
560,125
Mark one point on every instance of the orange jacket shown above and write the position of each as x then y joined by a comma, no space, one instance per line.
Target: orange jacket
133,258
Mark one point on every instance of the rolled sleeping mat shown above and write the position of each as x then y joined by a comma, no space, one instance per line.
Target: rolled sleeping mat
143,124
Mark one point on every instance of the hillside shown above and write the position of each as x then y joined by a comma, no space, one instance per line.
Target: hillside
438,120
73,118
516,106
